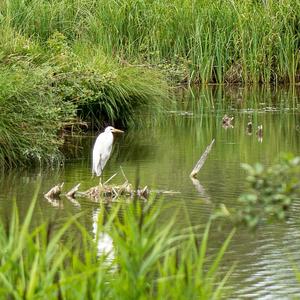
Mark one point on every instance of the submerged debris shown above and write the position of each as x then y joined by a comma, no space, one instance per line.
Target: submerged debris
249,127
259,133
226,122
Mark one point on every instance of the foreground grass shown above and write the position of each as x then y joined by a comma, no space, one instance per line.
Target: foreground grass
147,261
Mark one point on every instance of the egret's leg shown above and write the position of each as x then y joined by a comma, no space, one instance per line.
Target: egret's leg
100,180
101,175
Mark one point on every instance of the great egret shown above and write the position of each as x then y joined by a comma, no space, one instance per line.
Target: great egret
102,149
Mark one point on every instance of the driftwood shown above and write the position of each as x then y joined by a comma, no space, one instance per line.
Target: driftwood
113,192
202,160
73,191
54,192
105,191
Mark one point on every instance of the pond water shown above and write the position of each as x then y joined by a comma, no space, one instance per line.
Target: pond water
162,150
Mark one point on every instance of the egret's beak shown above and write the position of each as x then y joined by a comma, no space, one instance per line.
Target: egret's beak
117,130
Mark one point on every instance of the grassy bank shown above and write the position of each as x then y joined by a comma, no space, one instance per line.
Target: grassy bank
48,87
220,41
145,261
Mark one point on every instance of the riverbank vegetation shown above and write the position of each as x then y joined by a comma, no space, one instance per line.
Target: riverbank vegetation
131,249
64,63
49,88
220,41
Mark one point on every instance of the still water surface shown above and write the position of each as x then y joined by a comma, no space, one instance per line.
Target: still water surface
162,154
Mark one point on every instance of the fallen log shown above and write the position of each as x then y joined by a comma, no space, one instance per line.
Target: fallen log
202,160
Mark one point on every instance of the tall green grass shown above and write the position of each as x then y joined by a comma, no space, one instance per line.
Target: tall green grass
220,41
30,118
47,87
148,260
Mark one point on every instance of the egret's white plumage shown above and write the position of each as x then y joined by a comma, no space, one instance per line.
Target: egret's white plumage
102,149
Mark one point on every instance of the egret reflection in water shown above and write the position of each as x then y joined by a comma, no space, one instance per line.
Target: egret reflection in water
103,240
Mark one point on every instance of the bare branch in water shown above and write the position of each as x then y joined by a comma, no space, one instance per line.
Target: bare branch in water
202,160
109,179
73,191
123,174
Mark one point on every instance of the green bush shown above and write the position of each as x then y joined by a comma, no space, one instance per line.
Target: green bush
31,117
272,191
44,87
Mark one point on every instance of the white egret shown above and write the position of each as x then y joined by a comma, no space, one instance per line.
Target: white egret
102,149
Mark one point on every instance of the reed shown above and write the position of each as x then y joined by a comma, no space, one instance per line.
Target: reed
47,87
30,118
221,41
148,259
